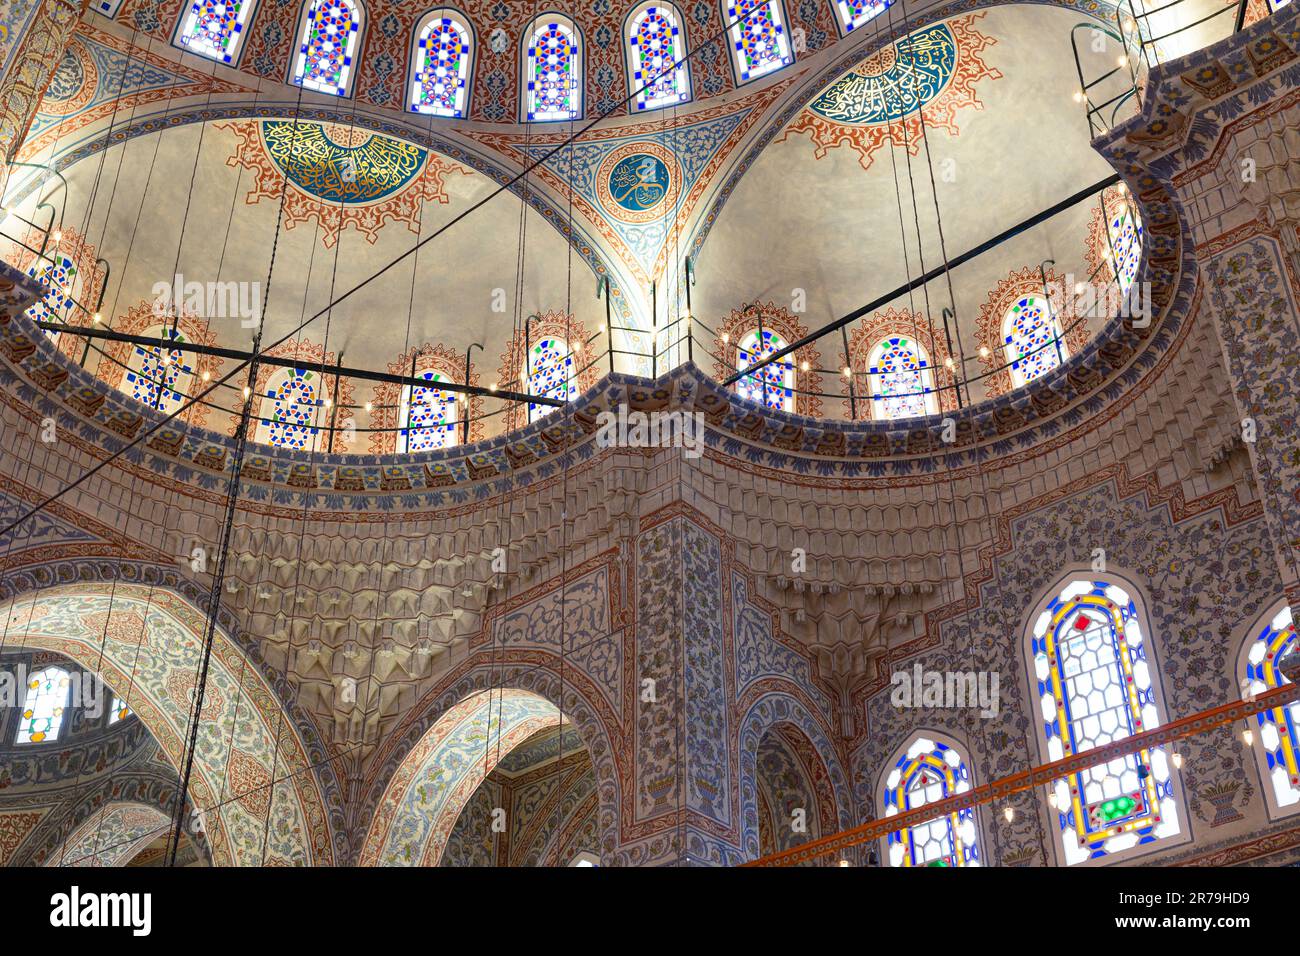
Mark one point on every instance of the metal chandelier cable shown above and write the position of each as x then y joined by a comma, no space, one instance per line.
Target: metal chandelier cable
528,167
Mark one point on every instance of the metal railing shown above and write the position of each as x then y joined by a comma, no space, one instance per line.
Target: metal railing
686,337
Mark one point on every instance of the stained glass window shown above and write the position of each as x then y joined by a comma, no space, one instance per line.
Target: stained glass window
772,385
442,63
1027,333
928,772
159,379
1276,739
1125,249
120,711
901,380
214,28
758,37
293,404
657,57
329,43
550,373
554,70
57,303
1094,683
429,415
854,13
47,699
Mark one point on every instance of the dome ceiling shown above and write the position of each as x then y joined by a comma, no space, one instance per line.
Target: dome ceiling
780,199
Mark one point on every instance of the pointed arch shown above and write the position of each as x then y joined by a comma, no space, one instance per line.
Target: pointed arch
552,67
1115,239
852,14
793,382
442,64
655,48
214,29
391,407
900,379
1268,640
929,768
994,324
112,836
548,357
255,786
1094,676
865,349
329,40
73,277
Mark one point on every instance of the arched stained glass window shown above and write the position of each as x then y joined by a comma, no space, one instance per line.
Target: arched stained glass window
1028,330
439,86
1276,740
47,699
901,380
550,373
1125,249
120,711
158,378
758,37
928,772
429,416
214,28
293,404
553,70
1094,684
57,304
773,384
657,57
330,30
854,13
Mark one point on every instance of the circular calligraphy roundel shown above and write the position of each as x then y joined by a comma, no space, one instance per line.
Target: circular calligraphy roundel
638,182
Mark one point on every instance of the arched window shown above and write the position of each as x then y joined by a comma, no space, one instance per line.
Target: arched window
120,711
428,416
553,70
1275,744
773,384
47,699
901,380
288,410
927,772
854,13
585,859
1093,675
159,379
550,373
214,28
330,30
57,304
441,65
1124,251
1028,331
758,37
656,66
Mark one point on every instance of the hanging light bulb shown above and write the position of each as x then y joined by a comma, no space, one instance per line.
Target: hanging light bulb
844,862
97,318
1177,759
1122,60
984,351
492,387
58,235
1248,736
846,371
947,363
1051,799
602,328
328,403
725,338
1009,813
1122,187
247,391
1078,96
206,375
804,366
370,407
